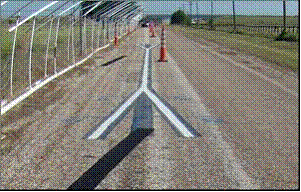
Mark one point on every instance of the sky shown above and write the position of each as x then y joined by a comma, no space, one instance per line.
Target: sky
168,7
223,7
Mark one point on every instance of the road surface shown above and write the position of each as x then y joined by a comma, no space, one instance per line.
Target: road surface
247,125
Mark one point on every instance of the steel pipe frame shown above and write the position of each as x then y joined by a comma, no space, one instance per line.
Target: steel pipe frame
19,10
128,5
122,18
119,15
33,15
107,7
58,15
55,44
97,4
105,15
57,31
3,3
115,10
104,10
12,58
47,48
69,34
30,51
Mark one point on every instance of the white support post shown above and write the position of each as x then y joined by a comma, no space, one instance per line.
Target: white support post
93,28
72,41
47,48
98,34
12,58
84,36
55,44
104,32
69,34
108,29
30,51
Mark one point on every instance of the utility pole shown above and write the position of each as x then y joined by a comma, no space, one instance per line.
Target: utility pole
234,21
190,5
211,23
197,9
284,16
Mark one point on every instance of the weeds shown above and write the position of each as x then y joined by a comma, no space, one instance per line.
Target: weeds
285,36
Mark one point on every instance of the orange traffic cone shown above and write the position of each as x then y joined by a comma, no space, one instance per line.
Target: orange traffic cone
153,32
129,31
163,50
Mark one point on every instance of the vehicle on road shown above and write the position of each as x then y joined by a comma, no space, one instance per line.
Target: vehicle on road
145,24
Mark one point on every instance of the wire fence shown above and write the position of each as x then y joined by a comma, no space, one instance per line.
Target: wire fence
43,46
262,29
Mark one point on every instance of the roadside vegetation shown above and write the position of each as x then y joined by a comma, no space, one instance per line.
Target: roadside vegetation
279,49
22,50
179,17
281,53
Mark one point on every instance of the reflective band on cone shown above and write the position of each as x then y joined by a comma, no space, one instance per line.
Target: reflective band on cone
153,32
163,50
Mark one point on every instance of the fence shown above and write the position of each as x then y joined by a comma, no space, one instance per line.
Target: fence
44,47
264,29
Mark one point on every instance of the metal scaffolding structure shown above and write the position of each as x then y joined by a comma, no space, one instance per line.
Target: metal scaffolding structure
64,32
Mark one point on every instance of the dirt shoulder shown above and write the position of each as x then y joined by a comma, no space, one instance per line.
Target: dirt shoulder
259,119
280,55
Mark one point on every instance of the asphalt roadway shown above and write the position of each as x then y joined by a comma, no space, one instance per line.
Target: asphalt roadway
52,151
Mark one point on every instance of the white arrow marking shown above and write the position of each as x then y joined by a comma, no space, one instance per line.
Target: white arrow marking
113,117
156,101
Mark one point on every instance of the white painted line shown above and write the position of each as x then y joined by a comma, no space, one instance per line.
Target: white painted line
165,110
113,117
145,70
34,14
169,114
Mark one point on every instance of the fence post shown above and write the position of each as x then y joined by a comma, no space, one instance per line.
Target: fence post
104,31
98,35
107,29
84,36
30,51
47,48
55,44
69,34
72,40
93,28
12,57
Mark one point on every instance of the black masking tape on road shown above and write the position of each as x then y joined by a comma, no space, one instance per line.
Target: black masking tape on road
91,178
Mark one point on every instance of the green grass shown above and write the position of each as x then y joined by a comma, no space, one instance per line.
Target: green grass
257,20
21,61
225,23
284,54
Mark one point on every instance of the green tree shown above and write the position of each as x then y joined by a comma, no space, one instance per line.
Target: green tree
179,17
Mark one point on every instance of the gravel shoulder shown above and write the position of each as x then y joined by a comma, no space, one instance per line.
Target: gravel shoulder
46,146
